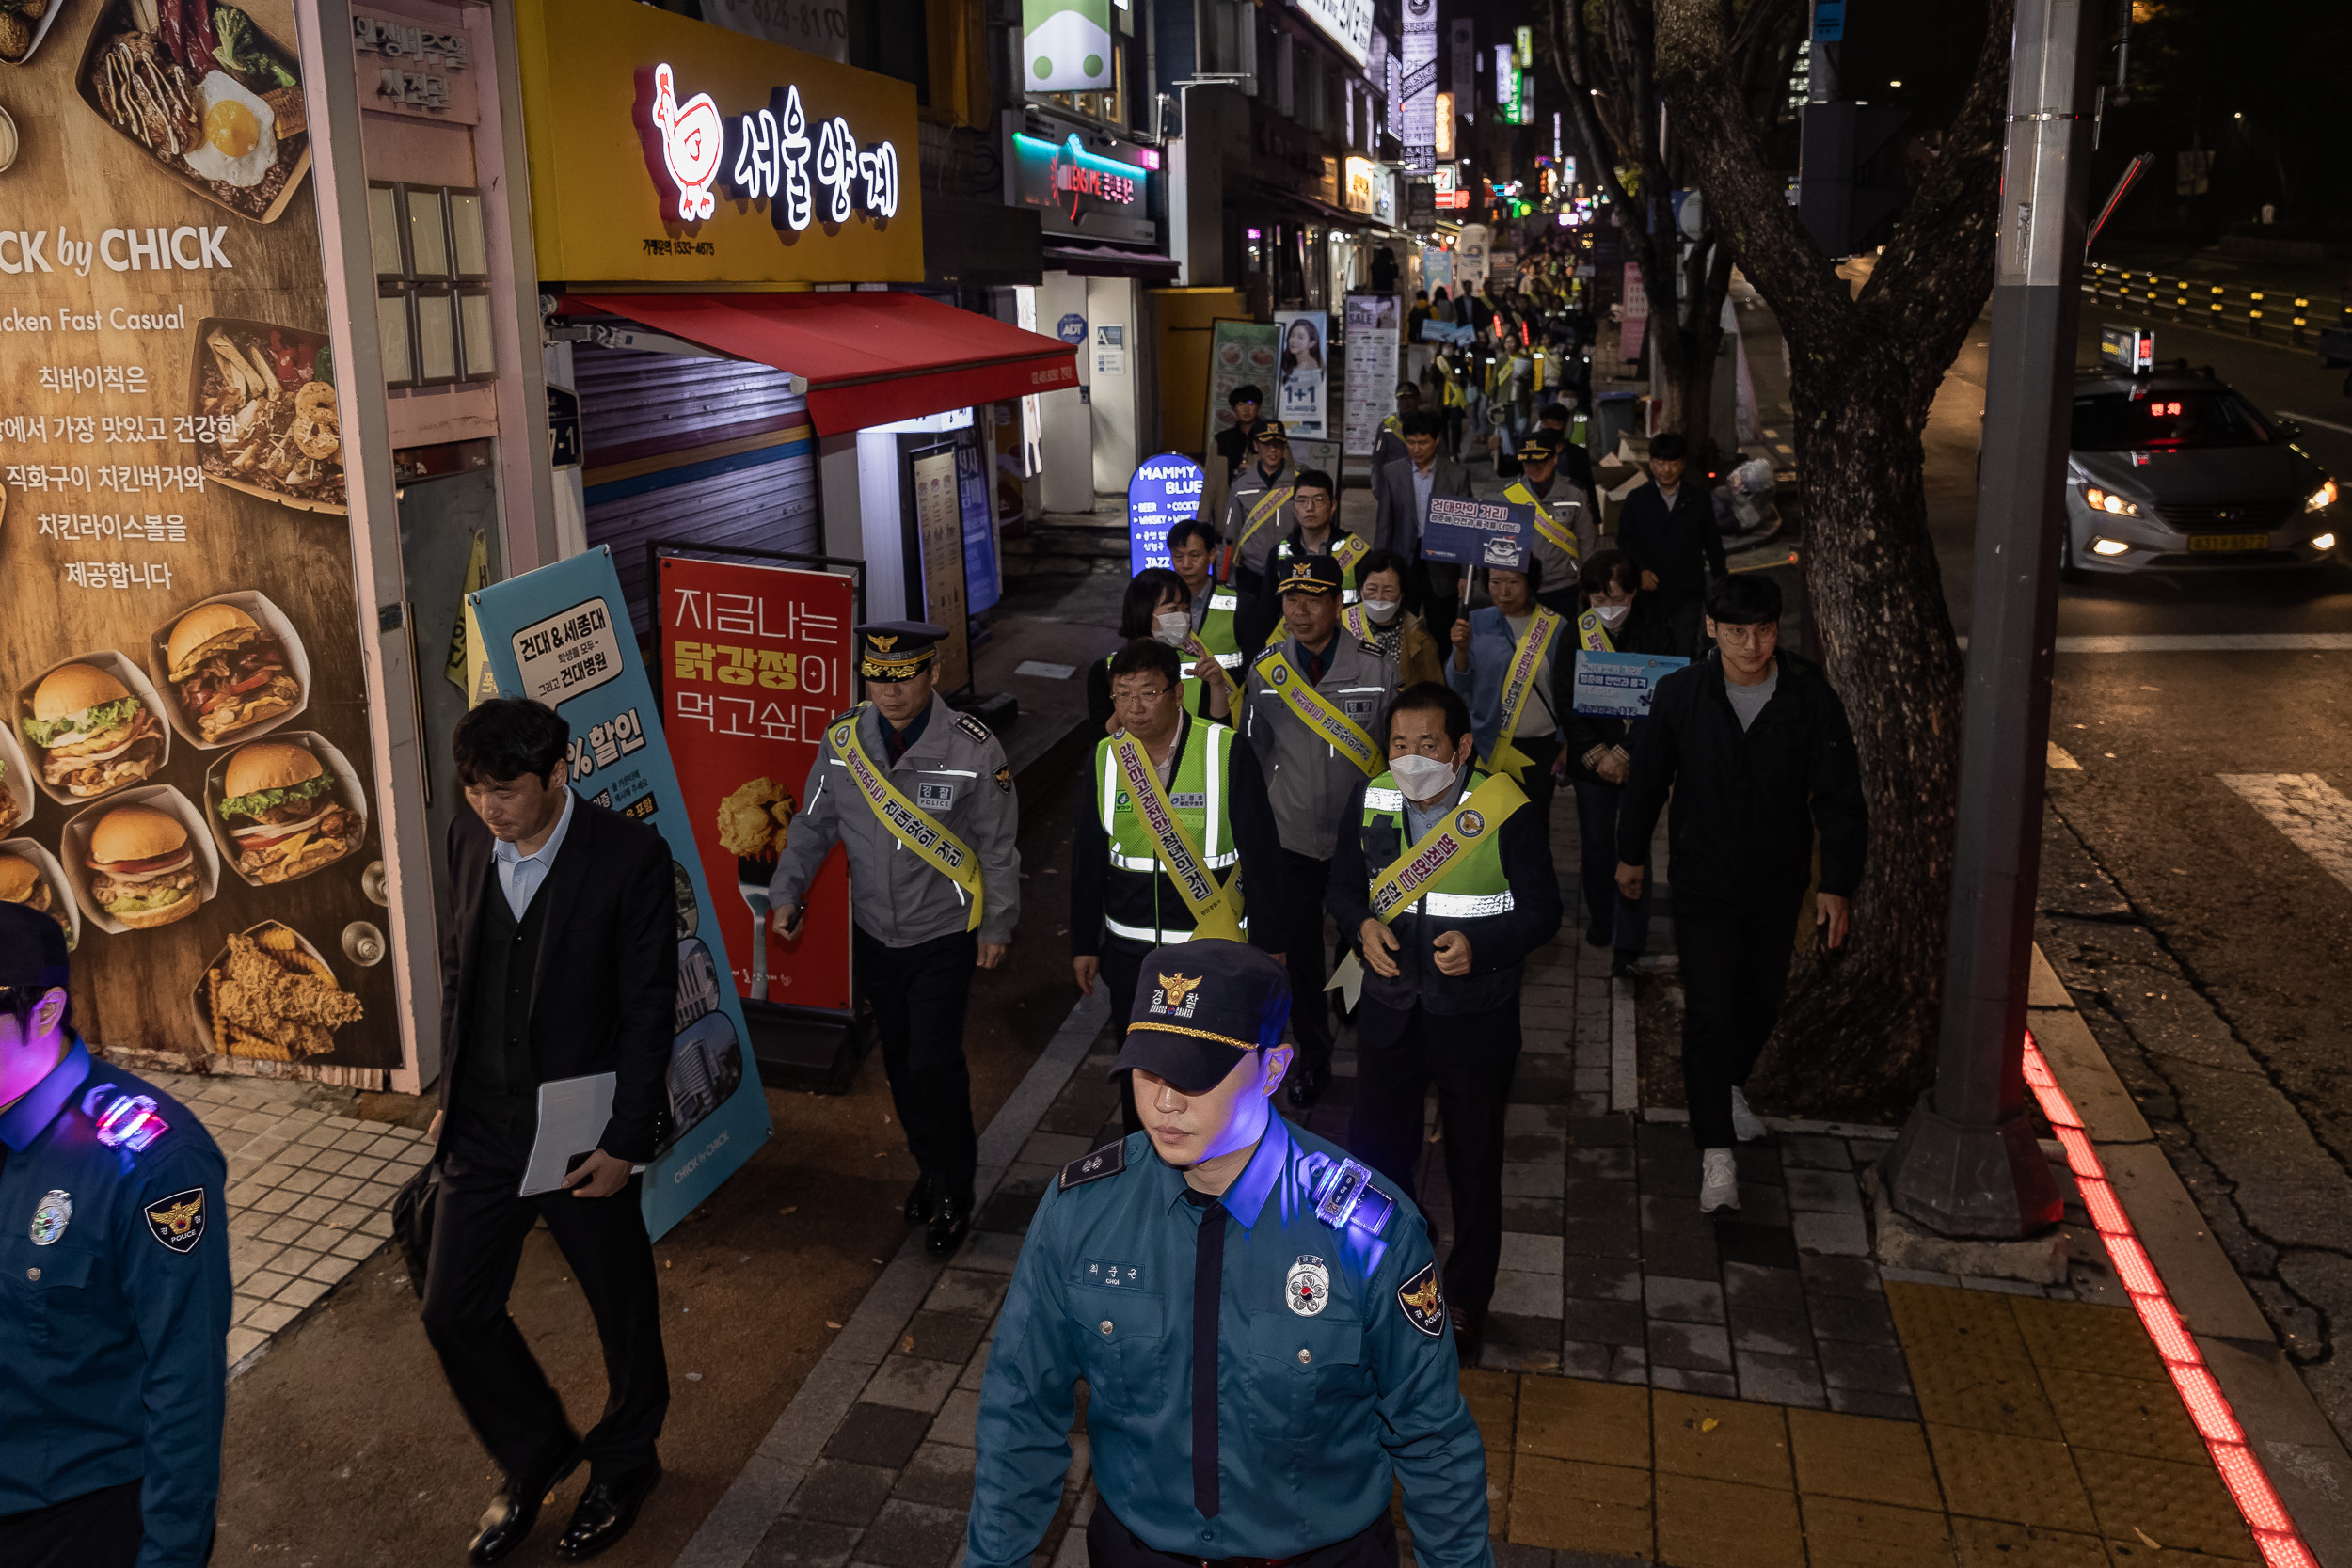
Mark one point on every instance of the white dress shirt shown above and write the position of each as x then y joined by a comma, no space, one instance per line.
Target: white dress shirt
519,875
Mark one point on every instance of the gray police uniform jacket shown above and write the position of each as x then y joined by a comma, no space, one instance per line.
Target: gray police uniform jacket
955,772
1336,1371
1249,486
1308,779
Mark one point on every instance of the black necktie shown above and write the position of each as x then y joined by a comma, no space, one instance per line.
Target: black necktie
1208,1282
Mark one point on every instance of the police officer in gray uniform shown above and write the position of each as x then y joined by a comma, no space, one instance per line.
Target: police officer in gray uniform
114,1291
921,800
1257,1316
1310,772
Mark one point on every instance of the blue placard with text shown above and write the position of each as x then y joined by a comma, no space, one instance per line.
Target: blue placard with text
1478,533
1618,686
1165,491
561,634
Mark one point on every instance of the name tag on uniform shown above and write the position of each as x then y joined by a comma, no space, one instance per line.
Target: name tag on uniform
1358,707
1110,1276
934,797
1186,802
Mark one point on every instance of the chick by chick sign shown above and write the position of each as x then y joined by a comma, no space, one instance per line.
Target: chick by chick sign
807,173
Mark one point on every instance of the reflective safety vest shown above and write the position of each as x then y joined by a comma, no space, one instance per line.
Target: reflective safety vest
1217,627
1138,902
1475,889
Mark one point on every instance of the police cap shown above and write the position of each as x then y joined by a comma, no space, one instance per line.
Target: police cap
1537,449
1200,1008
32,949
1311,574
895,650
1272,432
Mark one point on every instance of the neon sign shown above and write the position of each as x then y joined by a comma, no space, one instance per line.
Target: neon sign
1080,191
808,173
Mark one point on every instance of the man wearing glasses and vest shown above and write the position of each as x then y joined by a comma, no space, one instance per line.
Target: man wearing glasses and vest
920,798
1443,883
1310,706
1175,838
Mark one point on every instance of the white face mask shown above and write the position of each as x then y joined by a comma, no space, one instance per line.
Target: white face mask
1612,614
1422,778
1172,628
1381,612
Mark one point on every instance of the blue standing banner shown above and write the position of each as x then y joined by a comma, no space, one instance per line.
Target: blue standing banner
561,634
1163,492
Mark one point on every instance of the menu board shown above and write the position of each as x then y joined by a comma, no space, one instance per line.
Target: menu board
939,532
187,758
1372,334
1241,354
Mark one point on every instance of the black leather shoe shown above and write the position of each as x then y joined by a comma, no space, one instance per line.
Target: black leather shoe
1470,1337
1597,934
951,1221
1305,1088
606,1511
920,1199
508,1519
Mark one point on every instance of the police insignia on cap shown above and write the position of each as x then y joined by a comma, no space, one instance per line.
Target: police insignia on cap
178,1222
51,1216
1422,1303
1109,1160
1307,1288
1176,996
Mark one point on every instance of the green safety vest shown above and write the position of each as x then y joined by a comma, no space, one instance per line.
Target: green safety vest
1199,793
1478,889
1217,627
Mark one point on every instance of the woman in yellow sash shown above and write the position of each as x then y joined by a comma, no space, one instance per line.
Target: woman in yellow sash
1514,662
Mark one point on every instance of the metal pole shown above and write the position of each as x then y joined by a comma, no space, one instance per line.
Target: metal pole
1968,1163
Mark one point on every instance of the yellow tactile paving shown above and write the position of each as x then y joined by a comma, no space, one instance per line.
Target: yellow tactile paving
2077,1335
1493,1398
1991,1543
1721,1524
1842,1533
2178,1507
1941,1320
1720,1439
1989,1475
2122,1413
1561,1504
1864,1458
1600,1423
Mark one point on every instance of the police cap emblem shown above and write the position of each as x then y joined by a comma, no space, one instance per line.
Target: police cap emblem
178,1222
1422,1303
1307,1288
51,1216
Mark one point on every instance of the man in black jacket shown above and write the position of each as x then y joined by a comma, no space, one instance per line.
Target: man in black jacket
1440,998
560,962
1755,746
1668,528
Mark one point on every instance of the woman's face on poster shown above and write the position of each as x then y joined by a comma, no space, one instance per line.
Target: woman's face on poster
1302,339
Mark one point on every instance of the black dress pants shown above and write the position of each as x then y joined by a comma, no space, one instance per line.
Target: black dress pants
1112,1544
1734,969
97,1529
1687,623
919,995
479,1228
1121,971
1305,879
1627,919
1470,1057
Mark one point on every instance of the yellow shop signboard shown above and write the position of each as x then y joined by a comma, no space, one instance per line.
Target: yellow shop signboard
666,150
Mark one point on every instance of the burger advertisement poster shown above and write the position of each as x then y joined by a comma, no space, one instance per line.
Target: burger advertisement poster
185,774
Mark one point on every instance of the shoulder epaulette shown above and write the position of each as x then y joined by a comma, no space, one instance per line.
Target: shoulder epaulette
846,713
974,728
1109,1160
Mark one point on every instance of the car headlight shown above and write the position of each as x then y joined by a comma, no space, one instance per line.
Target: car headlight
2323,541
2108,501
2323,497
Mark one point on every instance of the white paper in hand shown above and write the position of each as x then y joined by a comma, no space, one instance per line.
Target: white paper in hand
572,1113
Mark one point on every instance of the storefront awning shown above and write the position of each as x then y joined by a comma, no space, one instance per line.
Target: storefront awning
862,359
1103,260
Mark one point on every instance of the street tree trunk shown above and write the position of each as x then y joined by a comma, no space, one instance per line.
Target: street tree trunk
1857,1038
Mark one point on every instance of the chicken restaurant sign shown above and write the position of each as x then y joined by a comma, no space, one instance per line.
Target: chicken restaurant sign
761,163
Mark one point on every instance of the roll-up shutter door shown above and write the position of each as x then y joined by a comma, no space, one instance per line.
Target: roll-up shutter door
711,452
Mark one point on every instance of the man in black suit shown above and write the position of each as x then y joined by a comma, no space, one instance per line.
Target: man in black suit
560,962
1668,528
1401,492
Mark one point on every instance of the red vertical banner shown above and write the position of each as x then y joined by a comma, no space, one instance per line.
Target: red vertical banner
755,659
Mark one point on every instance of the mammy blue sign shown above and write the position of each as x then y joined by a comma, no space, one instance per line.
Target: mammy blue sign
1164,491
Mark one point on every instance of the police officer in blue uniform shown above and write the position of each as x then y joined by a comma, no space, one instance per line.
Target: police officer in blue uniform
1258,1318
114,1291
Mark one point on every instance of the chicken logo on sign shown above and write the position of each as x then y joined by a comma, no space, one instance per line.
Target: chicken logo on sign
693,138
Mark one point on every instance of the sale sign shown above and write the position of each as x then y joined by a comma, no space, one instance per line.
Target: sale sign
755,659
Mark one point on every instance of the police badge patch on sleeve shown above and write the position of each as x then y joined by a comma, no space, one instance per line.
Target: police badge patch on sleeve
1423,1305
178,1222
1004,779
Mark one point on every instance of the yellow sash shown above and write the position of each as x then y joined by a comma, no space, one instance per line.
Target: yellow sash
1358,624
1213,905
1434,856
1563,540
1269,506
1592,633
942,850
1351,548
1526,659
1345,736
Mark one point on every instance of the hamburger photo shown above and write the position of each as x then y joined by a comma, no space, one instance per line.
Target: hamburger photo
144,869
21,882
93,733
280,808
230,672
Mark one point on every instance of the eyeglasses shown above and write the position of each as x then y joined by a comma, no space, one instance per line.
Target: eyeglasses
1747,637
1131,698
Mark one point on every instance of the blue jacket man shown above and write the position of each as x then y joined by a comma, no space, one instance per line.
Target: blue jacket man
1258,1318
114,1291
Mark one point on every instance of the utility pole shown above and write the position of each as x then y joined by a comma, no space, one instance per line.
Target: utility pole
1968,1162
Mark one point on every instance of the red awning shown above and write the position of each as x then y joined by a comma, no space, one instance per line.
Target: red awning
864,357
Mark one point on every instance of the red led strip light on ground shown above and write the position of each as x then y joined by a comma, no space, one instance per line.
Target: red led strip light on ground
2274,1530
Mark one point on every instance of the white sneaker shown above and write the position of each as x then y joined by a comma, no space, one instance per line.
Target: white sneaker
1719,1181
1745,1124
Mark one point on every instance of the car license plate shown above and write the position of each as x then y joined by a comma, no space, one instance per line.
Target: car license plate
2229,542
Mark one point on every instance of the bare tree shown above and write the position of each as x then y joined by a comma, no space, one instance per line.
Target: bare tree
1602,52
1858,1033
